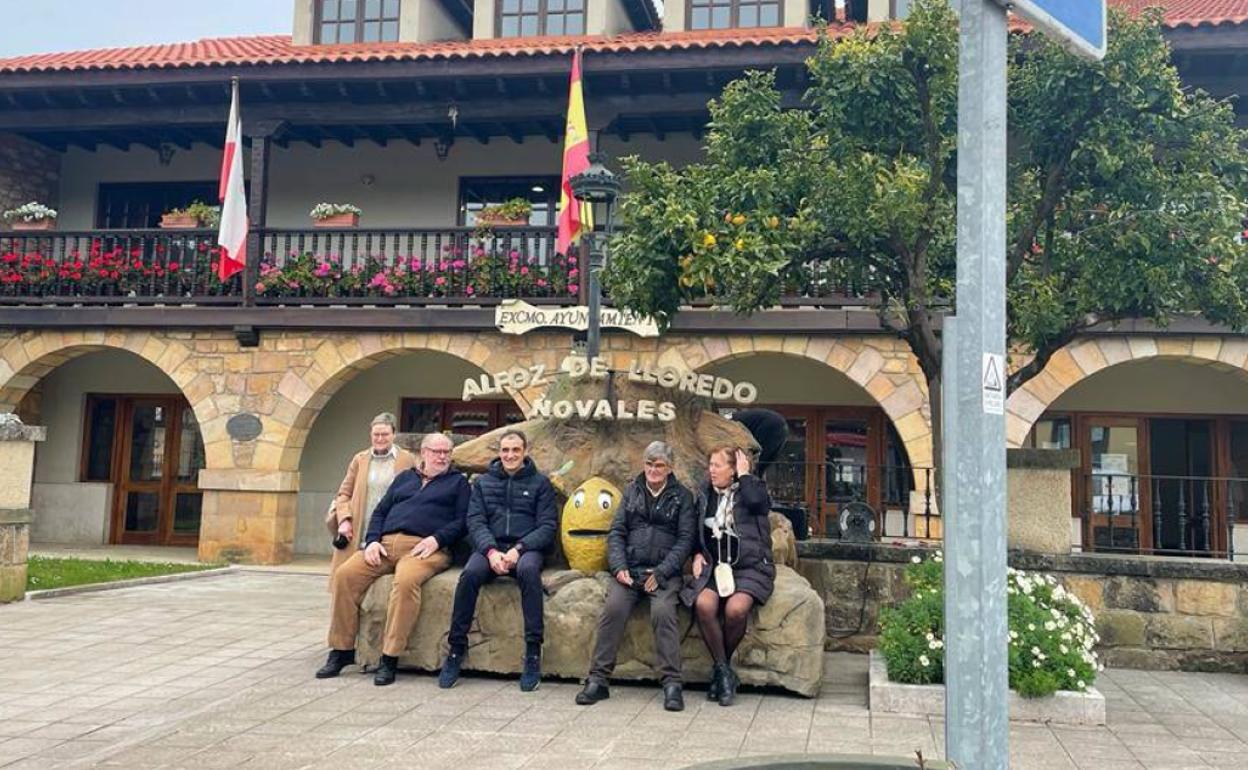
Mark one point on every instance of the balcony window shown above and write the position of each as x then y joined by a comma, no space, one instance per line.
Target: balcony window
728,14
475,193
357,21
140,204
525,18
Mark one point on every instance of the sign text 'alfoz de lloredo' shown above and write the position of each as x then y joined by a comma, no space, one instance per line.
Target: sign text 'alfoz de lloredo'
644,410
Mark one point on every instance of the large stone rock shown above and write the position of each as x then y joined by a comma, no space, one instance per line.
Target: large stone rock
783,648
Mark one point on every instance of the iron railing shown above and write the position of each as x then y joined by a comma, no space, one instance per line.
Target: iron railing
901,498
1163,515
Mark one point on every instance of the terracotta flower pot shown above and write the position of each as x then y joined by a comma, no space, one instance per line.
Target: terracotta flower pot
338,220
38,224
178,222
494,220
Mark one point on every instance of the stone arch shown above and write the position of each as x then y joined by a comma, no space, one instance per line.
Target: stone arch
882,366
338,359
28,357
1084,358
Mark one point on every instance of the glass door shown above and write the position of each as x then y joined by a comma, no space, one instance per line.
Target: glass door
846,467
1115,496
156,495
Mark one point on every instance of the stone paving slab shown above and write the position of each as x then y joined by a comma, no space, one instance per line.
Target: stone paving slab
218,673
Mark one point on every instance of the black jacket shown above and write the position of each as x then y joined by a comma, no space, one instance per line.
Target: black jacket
662,540
508,510
753,567
416,507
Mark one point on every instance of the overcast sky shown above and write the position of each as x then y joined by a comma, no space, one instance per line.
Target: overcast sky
43,26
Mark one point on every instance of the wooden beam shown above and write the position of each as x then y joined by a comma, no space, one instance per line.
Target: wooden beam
478,132
550,130
375,136
407,132
342,134
512,131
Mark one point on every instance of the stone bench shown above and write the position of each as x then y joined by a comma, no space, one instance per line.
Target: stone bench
783,647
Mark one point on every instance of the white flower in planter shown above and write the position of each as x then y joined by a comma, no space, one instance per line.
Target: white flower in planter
327,210
30,212
924,661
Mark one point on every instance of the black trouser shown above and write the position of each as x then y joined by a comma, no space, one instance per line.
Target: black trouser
620,603
477,572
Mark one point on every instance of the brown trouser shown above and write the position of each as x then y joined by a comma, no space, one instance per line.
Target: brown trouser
352,579
620,603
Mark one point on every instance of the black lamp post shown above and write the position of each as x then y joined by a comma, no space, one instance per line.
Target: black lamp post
598,187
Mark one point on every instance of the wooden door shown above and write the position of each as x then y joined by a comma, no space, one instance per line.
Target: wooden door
1113,488
156,498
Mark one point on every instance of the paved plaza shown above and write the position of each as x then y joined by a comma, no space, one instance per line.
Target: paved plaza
217,672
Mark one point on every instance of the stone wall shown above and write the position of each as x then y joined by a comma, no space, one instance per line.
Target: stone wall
1152,612
1038,499
28,172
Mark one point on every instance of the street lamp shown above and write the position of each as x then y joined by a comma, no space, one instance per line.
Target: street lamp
597,187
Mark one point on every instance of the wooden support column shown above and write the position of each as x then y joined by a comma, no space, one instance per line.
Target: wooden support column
261,134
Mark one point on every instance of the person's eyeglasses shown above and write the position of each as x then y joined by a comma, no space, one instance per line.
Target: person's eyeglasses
436,451
657,466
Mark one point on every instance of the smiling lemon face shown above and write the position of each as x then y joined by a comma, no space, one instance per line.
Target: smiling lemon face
586,519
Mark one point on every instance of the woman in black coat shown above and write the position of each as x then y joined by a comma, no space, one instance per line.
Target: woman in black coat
736,535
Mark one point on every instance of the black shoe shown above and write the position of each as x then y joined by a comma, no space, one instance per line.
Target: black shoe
727,686
592,693
673,700
531,679
450,670
337,661
386,671
712,689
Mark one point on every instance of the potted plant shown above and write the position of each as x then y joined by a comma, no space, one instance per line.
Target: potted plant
511,213
198,214
335,215
31,216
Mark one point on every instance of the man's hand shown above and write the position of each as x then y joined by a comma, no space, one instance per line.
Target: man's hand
699,564
426,548
623,578
511,558
345,529
652,583
373,554
497,562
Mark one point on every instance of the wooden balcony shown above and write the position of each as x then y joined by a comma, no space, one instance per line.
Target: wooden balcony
453,266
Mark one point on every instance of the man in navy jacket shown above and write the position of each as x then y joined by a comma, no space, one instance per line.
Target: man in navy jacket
512,522
410,534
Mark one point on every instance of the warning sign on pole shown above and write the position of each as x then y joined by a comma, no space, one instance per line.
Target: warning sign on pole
994,384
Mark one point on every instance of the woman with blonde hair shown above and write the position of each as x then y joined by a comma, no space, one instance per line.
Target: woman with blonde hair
368,477
733,570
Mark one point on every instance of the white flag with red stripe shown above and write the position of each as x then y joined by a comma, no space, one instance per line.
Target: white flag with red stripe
232,237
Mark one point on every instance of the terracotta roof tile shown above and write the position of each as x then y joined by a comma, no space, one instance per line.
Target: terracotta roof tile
278,49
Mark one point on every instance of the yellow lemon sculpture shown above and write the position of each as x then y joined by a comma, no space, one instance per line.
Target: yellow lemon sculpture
586,519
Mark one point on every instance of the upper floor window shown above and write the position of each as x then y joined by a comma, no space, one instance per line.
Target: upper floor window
726,14
357,21
523,18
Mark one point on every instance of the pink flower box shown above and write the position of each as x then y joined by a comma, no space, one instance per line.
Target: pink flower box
338,220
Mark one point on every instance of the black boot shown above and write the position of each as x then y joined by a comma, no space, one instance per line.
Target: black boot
712,688
387,668
592,693
337,661
673,700
727,686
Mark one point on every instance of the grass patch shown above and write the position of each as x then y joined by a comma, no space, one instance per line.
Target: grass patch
45,572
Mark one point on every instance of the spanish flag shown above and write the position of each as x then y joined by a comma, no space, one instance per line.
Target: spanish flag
574,217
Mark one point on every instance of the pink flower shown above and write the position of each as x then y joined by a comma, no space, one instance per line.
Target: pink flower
469,290
379,280
573,288
524,271
573,273
541,282
389,290
478,252
293,284
514,254
458,264
416,263
440,281
259,287
571,259
322,270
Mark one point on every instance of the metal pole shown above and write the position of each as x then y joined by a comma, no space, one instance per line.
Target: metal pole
593,340
976,671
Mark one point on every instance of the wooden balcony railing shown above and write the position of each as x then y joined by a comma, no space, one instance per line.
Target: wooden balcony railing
326,266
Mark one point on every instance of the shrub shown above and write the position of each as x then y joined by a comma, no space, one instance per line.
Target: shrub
1051,633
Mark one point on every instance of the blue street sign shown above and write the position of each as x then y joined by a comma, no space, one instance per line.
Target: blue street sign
1079,24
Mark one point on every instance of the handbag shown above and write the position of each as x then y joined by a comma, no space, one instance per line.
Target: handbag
724,582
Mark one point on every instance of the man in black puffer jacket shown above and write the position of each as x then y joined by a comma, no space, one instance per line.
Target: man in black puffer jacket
511,522
651,536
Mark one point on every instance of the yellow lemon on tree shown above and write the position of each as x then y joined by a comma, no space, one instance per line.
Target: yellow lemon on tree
708,240
739,219
586,520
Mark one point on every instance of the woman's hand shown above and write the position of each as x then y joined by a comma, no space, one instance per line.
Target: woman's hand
345,529
699,564
743,463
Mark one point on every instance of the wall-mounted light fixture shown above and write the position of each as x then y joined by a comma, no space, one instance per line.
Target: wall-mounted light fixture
165,153
442,145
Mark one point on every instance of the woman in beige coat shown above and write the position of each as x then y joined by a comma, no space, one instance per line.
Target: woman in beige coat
368,477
